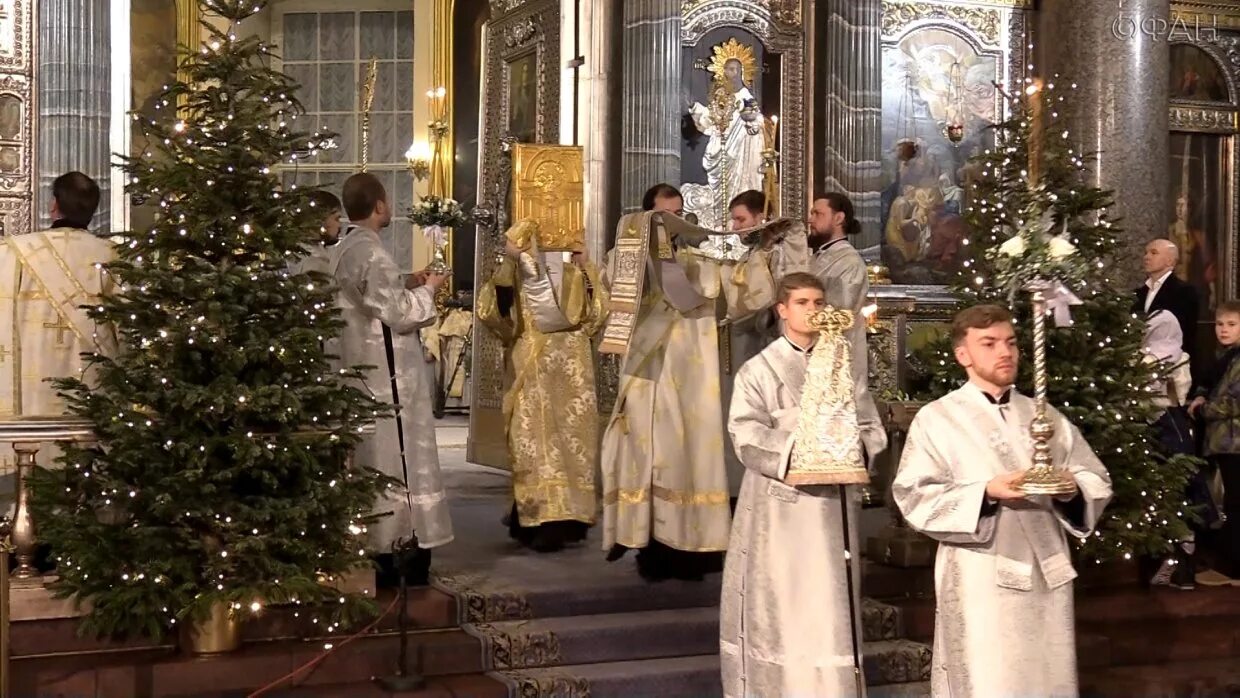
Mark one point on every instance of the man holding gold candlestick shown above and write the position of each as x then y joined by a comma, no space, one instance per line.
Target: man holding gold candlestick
789,623
1003,576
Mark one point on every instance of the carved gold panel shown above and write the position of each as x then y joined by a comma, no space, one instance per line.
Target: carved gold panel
1204,16
18,108
1203,119
984,22
547,189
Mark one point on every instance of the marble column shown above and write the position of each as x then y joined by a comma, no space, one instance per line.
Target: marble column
1119,107
74,87
851,63
599,106
651,113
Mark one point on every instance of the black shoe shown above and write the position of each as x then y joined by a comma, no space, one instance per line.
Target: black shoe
417,568
385,572
617,551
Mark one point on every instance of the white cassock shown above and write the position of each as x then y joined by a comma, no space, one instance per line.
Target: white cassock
1004,621
843,273
317,258
372,296
784,628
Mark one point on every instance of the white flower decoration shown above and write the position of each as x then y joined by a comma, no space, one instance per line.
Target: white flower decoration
1060,247
1014,247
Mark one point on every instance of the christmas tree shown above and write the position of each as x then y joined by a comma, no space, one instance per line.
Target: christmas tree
220,473
1032,215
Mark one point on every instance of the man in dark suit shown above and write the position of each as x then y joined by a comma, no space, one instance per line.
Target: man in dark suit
1163,290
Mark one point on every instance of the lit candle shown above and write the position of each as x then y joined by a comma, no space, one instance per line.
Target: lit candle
1033,95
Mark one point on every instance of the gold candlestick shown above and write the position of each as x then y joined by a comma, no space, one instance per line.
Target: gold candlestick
1044,477
368,100
770,167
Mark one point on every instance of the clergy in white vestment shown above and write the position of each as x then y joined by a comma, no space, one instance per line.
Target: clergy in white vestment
665,481
1004,624
784,627
382,315
843,273
318,250
47,277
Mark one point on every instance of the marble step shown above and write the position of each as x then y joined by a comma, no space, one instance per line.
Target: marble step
593,639
685,677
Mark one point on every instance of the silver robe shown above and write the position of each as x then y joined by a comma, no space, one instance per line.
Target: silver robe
784,627
371,295
843,272
1004,621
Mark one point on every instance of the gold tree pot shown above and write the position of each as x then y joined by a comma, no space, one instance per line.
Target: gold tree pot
218,633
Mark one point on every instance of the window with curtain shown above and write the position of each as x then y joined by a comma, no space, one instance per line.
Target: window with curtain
328,53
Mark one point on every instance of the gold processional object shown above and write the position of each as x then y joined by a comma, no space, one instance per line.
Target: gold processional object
827,445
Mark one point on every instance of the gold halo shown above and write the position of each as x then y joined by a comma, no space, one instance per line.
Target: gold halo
734,50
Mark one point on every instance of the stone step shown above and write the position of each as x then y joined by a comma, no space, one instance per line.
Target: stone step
458,686
526,644
895,668
164,672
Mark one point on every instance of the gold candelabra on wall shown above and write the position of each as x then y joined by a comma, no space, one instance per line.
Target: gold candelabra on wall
770,166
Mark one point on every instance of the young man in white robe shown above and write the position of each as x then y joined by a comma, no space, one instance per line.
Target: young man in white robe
382,314
785,611
1004,621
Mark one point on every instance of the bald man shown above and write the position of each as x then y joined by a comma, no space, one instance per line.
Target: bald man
1163,290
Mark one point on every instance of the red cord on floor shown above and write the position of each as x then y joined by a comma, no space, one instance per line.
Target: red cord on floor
317,660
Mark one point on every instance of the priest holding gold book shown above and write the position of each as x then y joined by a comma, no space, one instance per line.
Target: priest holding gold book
790,609
1004,621
546,303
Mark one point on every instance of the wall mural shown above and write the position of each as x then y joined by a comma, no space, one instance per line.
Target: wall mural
1196,76
932,78
1198,214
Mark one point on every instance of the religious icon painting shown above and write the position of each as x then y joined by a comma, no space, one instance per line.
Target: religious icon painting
938,99
1200,215
523,98
1196,76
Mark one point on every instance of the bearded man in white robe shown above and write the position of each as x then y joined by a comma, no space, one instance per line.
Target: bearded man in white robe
1004,622
784,627
382,315
843,273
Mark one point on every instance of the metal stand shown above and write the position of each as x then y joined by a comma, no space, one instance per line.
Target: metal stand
403,680
858,675
1043,477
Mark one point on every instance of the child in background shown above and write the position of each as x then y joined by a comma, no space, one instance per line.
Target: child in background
1217,401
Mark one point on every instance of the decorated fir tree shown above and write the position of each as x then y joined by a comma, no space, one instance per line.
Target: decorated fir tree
220,471
1033,215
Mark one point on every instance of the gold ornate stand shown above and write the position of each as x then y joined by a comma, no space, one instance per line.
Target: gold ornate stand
1043,477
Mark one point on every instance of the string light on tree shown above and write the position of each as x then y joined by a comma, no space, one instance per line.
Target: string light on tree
222,422
1026,171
